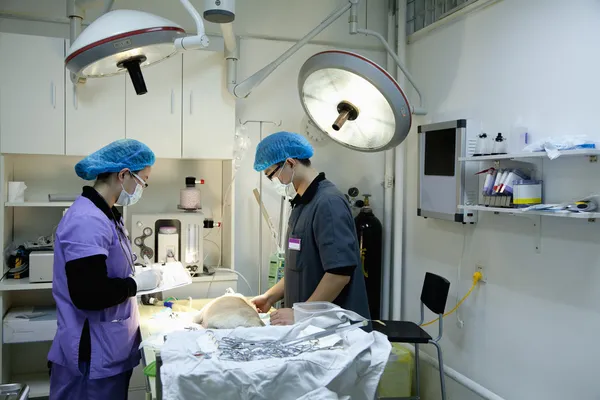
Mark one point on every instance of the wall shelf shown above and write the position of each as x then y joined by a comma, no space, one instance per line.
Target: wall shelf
535,217
7,285
537,154
516,211
39,384
61,204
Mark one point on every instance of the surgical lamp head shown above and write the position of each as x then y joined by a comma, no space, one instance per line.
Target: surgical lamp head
123,41
354,101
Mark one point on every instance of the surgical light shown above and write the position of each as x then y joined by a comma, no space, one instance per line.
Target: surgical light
348,97
354,101
126,41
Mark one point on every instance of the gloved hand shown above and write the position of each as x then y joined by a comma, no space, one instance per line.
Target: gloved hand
148,279
262,303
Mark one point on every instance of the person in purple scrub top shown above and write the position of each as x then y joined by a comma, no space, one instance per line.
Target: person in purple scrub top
96,345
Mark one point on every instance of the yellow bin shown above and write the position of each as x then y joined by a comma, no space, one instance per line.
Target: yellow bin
397,377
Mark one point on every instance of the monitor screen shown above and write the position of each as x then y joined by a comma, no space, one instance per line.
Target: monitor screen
440,152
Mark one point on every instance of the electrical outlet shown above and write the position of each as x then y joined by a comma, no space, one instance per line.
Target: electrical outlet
480,268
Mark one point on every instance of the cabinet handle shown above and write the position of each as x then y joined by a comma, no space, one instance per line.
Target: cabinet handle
53,94
191,102
172,101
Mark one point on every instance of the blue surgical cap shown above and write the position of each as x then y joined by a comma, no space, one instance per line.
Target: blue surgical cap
279,147
124,153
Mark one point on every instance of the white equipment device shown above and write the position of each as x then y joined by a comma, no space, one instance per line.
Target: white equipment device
219,11
444,181
169,237
41,265
29,324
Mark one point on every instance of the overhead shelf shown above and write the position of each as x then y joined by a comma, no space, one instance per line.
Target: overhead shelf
537,154
22,284
516,211
61,204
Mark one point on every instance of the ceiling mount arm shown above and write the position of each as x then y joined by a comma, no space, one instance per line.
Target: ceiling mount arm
108,6
244,88
416,110
200,40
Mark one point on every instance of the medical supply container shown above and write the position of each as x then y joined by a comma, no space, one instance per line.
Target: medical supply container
189,197
527,193
312,309
397,376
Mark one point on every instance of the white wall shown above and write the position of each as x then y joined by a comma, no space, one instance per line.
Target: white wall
530,331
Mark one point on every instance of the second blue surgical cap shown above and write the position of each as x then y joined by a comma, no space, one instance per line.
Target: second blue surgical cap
279,147
121,154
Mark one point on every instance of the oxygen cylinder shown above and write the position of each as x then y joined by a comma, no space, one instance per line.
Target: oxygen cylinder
370,241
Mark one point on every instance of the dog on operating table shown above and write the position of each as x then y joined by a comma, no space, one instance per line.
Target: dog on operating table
230,311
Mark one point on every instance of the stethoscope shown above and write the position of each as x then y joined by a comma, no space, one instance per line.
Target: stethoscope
120,233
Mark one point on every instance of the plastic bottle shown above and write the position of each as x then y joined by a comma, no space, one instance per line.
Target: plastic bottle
499,145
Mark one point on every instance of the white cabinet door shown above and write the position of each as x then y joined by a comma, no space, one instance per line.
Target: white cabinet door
208,108
95,113
155,117
32,88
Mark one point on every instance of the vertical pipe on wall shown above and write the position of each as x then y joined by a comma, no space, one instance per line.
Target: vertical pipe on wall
260,224
388,193
399,187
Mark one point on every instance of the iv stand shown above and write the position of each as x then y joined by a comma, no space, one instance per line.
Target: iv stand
260,190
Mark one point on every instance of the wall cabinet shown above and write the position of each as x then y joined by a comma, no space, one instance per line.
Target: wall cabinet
187,111
95,113
155,117
208,108
32,101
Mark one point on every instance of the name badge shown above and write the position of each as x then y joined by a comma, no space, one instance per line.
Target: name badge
294,244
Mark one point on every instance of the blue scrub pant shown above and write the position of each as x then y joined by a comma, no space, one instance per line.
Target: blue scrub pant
66,386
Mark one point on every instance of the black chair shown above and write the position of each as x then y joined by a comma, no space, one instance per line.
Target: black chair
434,295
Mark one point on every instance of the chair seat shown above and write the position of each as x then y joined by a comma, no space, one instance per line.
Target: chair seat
402,332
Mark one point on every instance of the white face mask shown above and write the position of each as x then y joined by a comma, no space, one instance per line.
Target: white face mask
286,190
126,199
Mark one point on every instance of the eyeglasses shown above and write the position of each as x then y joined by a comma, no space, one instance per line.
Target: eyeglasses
136,176
270,176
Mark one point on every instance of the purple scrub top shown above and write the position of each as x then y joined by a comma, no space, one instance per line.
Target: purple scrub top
86,231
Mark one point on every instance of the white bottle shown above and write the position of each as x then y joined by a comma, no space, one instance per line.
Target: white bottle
483,145
499,145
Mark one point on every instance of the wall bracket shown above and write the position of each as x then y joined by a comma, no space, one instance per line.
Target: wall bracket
536,221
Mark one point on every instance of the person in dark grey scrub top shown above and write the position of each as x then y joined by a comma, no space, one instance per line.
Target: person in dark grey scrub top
321,247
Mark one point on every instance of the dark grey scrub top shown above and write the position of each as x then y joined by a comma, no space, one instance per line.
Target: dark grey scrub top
323,222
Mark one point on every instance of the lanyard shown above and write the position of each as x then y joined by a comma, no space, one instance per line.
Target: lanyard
119,233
